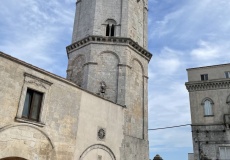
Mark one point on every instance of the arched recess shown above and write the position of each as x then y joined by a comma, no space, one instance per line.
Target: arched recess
25,141
99,149
107,70
136,110
75,71
228,100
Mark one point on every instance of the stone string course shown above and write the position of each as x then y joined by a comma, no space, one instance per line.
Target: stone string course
110,40
207,85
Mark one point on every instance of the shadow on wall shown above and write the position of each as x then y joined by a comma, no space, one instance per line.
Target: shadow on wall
13,158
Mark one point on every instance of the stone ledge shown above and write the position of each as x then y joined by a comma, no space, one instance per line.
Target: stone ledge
109,40
208,85
39,124
124,65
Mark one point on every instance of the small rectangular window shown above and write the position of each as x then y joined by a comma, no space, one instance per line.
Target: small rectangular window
204,77
224,152
227,74
32,105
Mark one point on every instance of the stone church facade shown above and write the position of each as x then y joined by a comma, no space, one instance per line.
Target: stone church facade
100,111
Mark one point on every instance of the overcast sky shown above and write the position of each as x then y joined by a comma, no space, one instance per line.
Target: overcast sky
182,34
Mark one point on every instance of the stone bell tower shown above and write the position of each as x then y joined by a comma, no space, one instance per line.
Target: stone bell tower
108,57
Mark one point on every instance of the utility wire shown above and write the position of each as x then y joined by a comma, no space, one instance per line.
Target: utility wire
170,127
185,125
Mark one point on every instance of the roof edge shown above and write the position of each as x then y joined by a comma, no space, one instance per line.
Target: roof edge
47,73
211,66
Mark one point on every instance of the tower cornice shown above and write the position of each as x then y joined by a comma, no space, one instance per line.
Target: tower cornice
109,40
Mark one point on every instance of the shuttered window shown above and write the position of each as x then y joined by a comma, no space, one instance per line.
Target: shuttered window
208,108
32,105
224,153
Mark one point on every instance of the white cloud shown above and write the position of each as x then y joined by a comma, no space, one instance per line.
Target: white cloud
206,51
210,53
37,31
162,28
165,63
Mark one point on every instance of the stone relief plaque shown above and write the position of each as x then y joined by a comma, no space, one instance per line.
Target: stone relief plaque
101,133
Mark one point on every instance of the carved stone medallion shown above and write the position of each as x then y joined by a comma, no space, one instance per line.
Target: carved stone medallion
101,134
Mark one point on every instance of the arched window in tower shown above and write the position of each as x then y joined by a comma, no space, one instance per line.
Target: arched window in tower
107,30
208,107
110,27
112,30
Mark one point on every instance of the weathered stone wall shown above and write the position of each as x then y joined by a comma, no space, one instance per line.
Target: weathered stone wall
135,115
80,62
69,117
60,113
124,69
107,71
136,29
105,10
75,72
135,149
25,141
125,73
119,59
84,19
208,139
130,16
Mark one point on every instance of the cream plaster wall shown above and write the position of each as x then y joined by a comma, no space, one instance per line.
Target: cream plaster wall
95,114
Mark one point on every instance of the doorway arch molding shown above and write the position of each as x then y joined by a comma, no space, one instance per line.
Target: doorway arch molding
15,141
31,126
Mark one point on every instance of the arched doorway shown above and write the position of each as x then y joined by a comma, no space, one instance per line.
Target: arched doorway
13,158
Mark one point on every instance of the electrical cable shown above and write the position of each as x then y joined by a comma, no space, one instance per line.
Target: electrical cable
170,127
